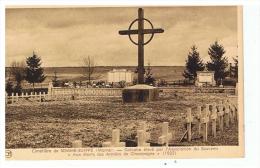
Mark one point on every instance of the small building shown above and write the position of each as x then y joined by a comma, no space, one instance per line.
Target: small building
117,75
205,78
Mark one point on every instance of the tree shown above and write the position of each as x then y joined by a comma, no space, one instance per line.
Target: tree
9,87
149,79
122,84
55,81
193,64
88,67
219,62
34,71
234,69
17,70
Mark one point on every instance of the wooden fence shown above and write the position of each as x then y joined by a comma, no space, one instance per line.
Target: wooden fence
60,93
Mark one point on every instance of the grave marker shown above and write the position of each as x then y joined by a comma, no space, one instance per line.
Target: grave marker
199,117
214,120
208,113
189,120
204,121
166,136
139,92
221,116
141,139
115,140
142,126
227,115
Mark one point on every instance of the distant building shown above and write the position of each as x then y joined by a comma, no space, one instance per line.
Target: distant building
117,75
205,78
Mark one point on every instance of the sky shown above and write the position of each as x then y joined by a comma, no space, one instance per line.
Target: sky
64,36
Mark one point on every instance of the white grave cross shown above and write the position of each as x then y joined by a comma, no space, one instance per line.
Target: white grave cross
115,140
166,136
213,118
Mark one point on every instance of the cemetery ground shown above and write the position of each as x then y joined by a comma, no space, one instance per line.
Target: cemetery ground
58,123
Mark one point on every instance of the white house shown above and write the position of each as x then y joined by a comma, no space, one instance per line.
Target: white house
205,78
117,75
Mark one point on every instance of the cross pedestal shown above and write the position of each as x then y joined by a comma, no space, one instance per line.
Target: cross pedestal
139,92
166,136
115,140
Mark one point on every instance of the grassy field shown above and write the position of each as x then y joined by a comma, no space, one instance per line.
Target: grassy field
56,124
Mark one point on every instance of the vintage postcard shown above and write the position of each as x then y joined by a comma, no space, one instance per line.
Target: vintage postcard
123,82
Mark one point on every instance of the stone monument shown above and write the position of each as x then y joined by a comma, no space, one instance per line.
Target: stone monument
140,92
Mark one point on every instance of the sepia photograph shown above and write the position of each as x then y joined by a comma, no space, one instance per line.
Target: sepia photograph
123,82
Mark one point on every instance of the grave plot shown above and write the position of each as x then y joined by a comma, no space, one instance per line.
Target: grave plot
79,123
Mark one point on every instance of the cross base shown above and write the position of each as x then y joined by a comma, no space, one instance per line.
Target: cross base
77,144
142,137
164,139
110,144
140,93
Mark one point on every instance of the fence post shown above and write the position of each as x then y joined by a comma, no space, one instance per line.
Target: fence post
31,95
40,96
6,98
44,96
16,97
12,96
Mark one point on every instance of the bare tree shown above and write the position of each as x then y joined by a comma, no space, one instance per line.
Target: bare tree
88,68
17,71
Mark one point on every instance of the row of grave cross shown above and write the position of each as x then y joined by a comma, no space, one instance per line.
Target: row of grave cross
142,137
223,114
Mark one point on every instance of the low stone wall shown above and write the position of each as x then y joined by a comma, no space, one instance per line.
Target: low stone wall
113,92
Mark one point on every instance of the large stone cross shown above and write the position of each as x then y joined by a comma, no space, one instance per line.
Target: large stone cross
140,32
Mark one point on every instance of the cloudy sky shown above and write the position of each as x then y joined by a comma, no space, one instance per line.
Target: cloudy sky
63,36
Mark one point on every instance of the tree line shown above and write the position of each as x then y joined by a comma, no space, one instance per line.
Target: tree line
218,63
30,70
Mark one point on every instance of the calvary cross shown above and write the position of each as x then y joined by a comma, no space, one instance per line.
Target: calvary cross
140,31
